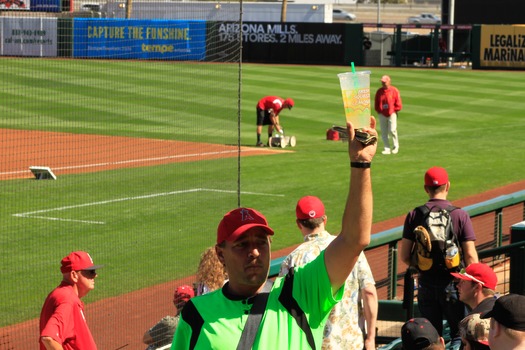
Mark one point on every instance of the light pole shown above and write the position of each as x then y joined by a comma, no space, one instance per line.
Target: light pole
378,11
283,11
450,40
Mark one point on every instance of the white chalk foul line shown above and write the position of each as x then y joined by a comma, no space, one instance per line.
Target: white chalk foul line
36,214
140,160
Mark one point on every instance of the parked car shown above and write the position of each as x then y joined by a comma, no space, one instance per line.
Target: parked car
90,7
338,14
424,18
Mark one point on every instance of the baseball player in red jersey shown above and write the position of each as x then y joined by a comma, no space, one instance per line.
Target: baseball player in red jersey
268,110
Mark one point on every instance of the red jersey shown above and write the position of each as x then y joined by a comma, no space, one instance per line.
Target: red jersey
62,318
388,101
271,102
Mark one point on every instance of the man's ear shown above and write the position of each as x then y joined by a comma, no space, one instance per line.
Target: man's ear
479,288
496,328
442,341
73,275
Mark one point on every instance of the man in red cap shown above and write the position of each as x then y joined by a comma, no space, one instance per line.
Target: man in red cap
250,312
437,294
62,321
387,104
161,334
343,329
477,287
268,110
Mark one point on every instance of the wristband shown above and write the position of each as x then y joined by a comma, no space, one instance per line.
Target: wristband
363,165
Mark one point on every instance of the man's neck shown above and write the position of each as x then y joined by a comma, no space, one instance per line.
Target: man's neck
441,195
478,301
307,232
240,292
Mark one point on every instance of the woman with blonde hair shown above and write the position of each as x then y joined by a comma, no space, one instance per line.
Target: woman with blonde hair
210,273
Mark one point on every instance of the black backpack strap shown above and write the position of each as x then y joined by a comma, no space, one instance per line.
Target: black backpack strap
421,214
452,236
423,209
251,326
193,318
290,304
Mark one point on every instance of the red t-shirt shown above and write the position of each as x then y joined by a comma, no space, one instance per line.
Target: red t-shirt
62,318
273,102
388,101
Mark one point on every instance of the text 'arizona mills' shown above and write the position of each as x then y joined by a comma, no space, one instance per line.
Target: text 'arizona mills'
274,33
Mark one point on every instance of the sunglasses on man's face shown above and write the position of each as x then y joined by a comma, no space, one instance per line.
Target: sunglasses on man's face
89,273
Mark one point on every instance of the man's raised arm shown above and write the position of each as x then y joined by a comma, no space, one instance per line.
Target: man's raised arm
341,255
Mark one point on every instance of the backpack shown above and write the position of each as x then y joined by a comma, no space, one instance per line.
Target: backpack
337,133
332,135
445,253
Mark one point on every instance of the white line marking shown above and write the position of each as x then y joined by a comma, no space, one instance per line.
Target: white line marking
140,160
60,219
33,214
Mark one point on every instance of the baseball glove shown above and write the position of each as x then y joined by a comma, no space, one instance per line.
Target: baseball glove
423,248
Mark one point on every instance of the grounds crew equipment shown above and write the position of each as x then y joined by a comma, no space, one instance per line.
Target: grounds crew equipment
282,141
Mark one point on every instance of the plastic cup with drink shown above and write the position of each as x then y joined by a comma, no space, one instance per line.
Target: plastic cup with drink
355,88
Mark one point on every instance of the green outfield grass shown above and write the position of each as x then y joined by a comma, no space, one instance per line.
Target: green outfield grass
149,225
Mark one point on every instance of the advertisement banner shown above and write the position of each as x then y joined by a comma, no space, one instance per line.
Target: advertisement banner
289,42
29,36
15,5
139,39
502,46
46,5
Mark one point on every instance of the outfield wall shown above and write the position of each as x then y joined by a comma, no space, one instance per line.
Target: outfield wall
493,46
498,46
194,40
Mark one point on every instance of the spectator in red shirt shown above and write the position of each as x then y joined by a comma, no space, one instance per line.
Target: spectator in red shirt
268,110
62,321
387,104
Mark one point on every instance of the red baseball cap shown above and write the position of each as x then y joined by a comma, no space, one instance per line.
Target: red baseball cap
238,221
436,176
480,273
183,294
77,261
385,79
309,207
289,103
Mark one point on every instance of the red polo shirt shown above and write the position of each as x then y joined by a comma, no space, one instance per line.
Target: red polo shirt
62,318
388,101
273,102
